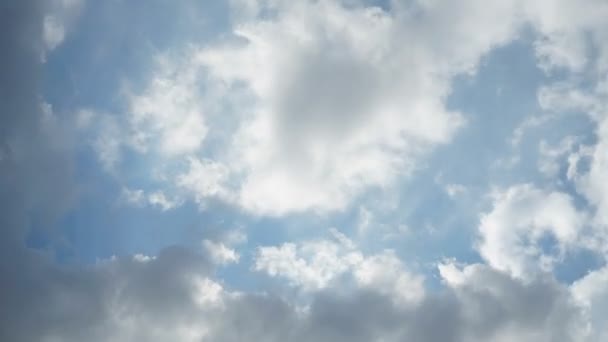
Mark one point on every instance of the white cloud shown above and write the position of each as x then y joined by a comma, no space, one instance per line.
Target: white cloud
53,31
452,274
220,254
339,104
593,182
386,273
208,293
159,199
330,99
320,264
140,258
587,164
591,293
566,27
512,233
204,179
310,265
169,115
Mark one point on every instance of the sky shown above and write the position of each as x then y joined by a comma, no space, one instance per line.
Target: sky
310,170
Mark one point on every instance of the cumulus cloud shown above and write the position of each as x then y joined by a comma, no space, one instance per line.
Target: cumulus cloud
322,264
311,265
522,219
168,115
564,26
327,106
220,253
586,163
329,98
205,179
333,101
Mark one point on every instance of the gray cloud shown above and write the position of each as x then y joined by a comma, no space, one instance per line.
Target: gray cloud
503,309
126,300
35,167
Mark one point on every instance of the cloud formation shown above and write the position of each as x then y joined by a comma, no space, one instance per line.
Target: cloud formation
522,220
302,107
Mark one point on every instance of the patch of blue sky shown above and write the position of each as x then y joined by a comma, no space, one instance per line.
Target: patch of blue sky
576,265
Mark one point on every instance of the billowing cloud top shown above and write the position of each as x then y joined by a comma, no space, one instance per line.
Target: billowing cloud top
330,170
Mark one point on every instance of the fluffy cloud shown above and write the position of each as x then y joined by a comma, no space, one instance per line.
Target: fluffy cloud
565,27
335,105
587,165
326,106
220,253
528,230
205,179
311,265
168,115
322,264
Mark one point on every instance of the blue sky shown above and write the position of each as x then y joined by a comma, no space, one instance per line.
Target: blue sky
333,170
